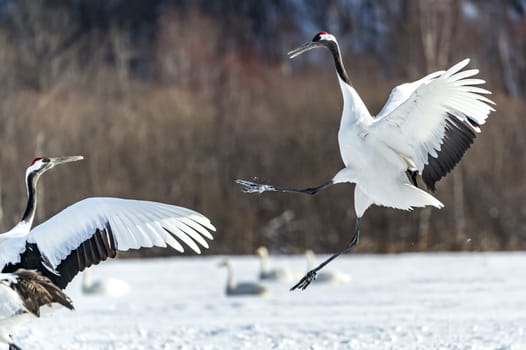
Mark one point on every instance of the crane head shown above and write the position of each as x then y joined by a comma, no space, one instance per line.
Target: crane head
41,164
322,39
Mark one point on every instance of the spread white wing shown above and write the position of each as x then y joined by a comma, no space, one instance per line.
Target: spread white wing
430,123
93,229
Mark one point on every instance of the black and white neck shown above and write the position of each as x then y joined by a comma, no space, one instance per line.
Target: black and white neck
39,166
328,41
33,173
334,48
350,96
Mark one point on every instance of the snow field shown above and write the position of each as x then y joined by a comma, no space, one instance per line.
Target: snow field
407,301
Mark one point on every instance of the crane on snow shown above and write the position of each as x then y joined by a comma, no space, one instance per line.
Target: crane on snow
38,263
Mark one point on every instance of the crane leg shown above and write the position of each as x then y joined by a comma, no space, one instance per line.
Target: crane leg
252,187
311,275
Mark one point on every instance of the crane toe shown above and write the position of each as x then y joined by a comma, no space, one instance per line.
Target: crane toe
305,281
252,187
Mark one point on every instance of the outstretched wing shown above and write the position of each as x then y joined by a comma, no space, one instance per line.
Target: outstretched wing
432,122
93,229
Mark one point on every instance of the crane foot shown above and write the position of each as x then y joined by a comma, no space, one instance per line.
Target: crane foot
305,281
252,187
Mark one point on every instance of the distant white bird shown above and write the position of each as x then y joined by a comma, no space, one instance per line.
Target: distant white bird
242,288
81,235
266,273
424,128
105,286
330,276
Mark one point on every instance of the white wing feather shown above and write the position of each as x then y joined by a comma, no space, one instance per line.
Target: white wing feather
413,121
134,224
401,93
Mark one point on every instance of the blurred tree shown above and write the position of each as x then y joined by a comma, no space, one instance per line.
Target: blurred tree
172,99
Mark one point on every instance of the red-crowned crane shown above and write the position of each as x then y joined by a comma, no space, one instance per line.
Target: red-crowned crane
425,128
38,263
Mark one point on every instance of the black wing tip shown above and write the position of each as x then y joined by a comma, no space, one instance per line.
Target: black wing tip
458,138
412,176
99,247
94,250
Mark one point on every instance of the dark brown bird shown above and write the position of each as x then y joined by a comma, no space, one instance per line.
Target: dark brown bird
23,292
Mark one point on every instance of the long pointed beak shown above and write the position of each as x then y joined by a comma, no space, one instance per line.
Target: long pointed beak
61,160
303,48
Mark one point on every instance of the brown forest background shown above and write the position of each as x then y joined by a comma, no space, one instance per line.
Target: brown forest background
173,100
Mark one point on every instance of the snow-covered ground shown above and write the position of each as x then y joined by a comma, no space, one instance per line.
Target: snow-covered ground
408,301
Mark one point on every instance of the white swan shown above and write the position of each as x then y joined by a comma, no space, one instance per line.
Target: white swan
326,276
106,286
266,273
242,288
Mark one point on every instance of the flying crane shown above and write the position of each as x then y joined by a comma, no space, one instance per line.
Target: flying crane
425,128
